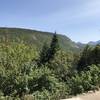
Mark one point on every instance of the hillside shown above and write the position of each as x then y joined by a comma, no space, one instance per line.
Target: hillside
27,74
94,43
35,38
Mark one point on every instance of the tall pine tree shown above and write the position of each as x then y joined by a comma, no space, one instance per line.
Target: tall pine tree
84,59
54,47
48,54
43,55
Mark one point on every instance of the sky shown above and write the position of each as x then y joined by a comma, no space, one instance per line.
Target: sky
77,19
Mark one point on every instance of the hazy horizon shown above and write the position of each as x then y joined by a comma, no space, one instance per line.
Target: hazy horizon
77,19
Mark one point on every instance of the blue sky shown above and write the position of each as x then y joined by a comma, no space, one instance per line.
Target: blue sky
77,19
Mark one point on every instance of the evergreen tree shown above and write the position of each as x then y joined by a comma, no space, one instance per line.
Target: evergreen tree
43,55
84,59
54,47
96,55
48,53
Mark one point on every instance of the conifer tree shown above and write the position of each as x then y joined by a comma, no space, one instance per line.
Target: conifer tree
43,55
96,55
84,59
48,53
54,47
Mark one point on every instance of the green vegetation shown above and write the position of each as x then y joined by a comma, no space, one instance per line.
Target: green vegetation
35,38
48,73
89,56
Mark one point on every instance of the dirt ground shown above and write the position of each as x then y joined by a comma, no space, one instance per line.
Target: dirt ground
88,96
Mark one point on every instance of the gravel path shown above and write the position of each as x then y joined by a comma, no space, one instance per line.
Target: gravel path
89,96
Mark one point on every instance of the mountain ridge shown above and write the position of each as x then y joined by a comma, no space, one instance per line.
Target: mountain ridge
36,38
94,42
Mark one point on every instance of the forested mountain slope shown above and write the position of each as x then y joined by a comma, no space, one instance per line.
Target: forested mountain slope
35,38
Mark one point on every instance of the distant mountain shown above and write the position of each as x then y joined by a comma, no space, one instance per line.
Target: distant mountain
91,43
81,45
94,43
35,38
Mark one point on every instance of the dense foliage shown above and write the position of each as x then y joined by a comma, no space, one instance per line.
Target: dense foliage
88,57
46,74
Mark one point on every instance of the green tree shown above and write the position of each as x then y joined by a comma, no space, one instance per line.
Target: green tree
84,59
43,55
96,55
54,47
48,53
